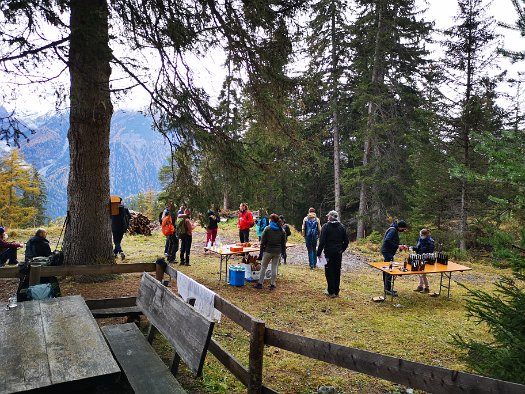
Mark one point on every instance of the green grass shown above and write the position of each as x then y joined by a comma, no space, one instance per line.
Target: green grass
420,330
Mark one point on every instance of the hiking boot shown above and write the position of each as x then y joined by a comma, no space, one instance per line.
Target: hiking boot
122,255
391,293
425,290
419,289
257,286
273,287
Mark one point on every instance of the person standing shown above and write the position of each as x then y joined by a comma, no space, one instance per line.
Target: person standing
171,246
7,249
38,245
213,226
184,222
119,225
244,222
311,229
273,242
389,249
333,241
287,232
425,244
261,223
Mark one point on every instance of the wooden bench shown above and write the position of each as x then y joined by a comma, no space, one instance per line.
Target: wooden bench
185,329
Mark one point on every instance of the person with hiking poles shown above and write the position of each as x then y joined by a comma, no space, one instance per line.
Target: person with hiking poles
333,241
311,229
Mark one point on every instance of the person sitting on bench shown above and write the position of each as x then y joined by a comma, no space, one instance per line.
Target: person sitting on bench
7,249
38,245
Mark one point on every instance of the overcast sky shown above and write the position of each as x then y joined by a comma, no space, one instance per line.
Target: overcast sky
440,11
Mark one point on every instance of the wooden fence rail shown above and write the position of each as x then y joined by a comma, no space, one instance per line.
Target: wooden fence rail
412,374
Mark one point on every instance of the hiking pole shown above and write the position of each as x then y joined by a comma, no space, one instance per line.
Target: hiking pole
62,231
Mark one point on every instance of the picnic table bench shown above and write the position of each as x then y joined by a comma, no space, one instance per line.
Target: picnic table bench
185,329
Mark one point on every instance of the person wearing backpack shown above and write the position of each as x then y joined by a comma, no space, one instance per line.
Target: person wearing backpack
171,246
184,229
119,226
311,229
244,222
333,241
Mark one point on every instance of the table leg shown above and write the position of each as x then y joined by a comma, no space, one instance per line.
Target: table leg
447,275
220,270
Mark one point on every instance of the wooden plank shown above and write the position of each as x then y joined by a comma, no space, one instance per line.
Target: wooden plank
256,357
105,303
187,330
76,349
411,374
171,272
230,362
72,270
23,357
234,313
144,369
117,312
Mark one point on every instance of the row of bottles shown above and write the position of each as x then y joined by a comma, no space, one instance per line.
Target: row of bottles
417,262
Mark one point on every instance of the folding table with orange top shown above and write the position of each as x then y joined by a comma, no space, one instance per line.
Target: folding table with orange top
226,252
445,270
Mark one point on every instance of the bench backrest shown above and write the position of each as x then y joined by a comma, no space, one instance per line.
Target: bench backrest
187,330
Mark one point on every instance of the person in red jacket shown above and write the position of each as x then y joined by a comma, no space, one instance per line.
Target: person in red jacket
7,250
244,222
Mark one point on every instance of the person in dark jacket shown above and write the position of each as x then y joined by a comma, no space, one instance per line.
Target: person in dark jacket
38,246
7,249
273,242
425,244
213,226
389,249
333,241
119,225
287,232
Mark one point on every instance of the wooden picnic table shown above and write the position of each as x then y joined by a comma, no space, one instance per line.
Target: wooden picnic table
445,271
53,344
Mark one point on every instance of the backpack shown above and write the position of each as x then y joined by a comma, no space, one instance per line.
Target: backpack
180,227
167,226
310,229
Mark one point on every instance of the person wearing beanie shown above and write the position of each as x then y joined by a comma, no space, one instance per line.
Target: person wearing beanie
310,230
389,249
425,244
333,241
7,249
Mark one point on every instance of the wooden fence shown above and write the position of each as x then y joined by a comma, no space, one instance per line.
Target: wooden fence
415,375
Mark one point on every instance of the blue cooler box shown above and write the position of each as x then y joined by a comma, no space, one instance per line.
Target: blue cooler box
236,275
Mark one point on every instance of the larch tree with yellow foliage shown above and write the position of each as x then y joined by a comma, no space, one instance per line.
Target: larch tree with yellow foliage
16,183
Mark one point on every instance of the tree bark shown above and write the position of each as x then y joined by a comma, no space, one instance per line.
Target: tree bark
88,237
335,121
377,77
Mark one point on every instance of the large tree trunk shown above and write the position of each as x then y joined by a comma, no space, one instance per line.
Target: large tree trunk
377,78
88,237
335,121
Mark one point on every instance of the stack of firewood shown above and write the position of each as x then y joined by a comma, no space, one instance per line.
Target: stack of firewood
139,224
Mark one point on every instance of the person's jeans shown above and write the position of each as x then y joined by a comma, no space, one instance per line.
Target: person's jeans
264,266
387,278
244,235
8,255
311,246
332,272
211,234
185,247
117,240
171,247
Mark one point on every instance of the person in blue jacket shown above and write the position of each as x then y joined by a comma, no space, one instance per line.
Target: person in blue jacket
425,244
389,249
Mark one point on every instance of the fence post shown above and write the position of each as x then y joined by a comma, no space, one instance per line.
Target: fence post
255,367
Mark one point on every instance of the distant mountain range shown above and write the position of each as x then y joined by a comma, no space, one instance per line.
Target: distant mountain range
137,153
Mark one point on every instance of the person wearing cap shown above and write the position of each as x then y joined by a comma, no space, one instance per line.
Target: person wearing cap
7,249
389,249
333,241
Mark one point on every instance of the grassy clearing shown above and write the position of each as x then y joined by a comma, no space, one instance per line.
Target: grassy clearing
420,330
